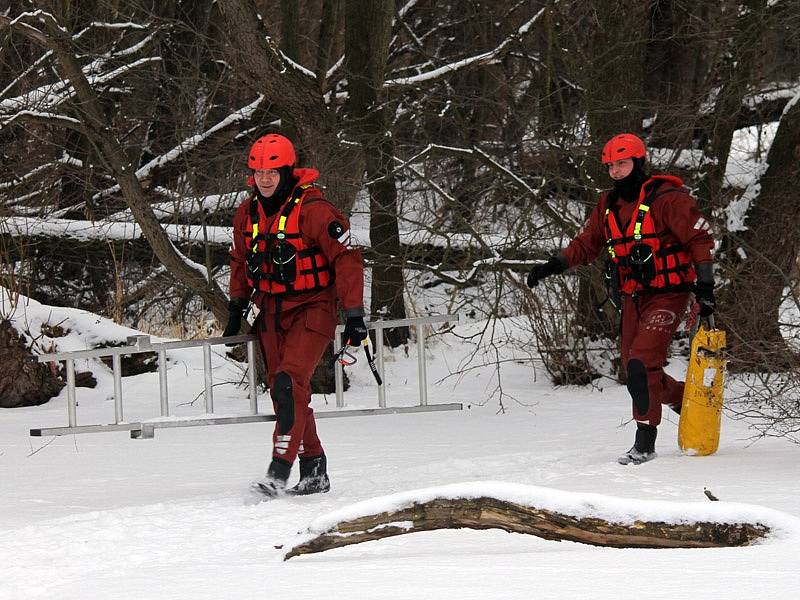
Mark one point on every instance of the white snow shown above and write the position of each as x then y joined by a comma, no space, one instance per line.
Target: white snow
56,118
749,149
103,516
747,164
581,505
109,230
775,91
680,158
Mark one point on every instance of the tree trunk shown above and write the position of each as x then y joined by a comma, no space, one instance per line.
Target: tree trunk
328,30
614,92
23,383
368,26
734,74
676,66
296,97
771,243
290,25
493,513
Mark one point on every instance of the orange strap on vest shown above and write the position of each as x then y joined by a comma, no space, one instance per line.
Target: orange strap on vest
643,264
278,260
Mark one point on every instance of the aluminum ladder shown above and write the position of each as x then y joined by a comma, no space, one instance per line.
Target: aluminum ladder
142,343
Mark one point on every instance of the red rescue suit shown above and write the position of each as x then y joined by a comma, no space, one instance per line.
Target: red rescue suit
654,296
296,296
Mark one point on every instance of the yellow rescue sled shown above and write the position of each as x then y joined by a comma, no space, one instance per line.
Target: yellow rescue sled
698,431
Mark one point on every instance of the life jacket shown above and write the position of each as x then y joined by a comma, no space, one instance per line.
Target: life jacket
278,260
643,264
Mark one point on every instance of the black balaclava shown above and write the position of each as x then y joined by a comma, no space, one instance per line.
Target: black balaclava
628,187
281,193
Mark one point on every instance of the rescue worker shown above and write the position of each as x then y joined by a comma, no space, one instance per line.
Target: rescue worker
659,248
292,257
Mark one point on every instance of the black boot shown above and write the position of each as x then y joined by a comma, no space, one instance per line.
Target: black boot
644,448
313,476
274,484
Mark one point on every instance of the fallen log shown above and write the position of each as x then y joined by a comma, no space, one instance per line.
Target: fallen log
486,512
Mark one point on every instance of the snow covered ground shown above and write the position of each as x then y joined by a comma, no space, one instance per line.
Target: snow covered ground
104,516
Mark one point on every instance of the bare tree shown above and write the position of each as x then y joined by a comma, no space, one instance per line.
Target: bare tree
475,138
93,123
768,262
296,94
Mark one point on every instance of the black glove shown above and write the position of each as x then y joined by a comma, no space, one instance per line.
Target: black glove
704,292
236,308
553,266
355,331
704,289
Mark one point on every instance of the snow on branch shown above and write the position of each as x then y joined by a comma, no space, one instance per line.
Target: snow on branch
480,59
111,75
43,117
186,205
47,96
128,25
130,49
297,66
35,65
187,145
406,7
108,230
335,67
775,91
64,160
135,47
51,95
119,26
279,56
97,65
45,93
401,17
41,15
550,514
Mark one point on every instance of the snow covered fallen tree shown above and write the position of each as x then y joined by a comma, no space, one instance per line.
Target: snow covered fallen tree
549,514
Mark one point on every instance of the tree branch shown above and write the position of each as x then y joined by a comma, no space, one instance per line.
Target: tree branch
477,60
494,513
98,132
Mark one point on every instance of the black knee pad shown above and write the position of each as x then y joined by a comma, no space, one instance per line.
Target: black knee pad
637,386
281,393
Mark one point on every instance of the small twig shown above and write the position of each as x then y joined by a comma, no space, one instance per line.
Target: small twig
197,397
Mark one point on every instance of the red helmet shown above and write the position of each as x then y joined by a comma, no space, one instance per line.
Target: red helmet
624,145
271,151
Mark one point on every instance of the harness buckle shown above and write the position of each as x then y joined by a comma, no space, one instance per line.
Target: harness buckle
642,263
